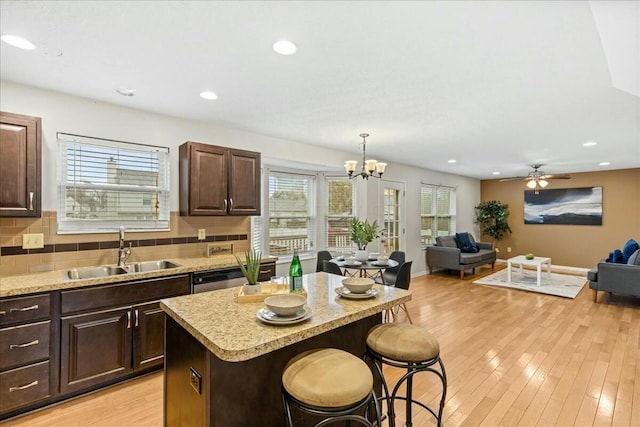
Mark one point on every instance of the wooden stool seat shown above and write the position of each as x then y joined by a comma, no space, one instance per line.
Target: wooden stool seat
328,378
401,341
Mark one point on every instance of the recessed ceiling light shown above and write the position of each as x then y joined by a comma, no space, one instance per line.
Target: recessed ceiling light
496,173
604,163
126,91
18,42
284,47
589,144
452,161
207,94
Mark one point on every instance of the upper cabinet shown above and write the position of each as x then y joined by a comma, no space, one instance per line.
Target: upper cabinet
20,165
218,180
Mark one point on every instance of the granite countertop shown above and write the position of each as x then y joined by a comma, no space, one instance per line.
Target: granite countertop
25,284
231,331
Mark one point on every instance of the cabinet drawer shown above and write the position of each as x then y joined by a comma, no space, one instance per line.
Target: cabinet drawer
20,345
124,293
22,309
267,271
23,386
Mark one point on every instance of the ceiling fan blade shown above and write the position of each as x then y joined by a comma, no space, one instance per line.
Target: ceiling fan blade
512,179
557,177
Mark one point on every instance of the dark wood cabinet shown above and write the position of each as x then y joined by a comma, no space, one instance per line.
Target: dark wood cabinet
27,352
218,180
20,165
267,271
96,348
112,331
148,339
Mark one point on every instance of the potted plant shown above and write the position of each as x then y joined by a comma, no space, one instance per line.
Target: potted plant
363,233
251,270
492,216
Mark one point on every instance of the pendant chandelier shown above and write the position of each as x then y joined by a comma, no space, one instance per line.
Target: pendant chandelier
369,167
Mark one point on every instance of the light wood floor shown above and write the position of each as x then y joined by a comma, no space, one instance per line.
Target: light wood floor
513,358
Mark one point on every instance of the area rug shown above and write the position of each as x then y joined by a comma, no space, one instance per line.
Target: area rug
561,285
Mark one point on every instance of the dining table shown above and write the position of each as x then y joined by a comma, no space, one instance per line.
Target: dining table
224,361
370,268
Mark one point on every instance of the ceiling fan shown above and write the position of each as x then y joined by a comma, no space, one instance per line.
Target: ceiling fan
537,179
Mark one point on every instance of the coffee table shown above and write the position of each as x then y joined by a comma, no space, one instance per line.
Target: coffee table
536,262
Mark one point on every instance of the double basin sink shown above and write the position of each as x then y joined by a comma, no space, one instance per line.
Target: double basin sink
113,270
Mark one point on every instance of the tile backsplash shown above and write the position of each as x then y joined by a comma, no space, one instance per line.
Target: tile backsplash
79,250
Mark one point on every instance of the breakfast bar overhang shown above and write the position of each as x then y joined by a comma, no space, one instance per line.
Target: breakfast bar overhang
223,366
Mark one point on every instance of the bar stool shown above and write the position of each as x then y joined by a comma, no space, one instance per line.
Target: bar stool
331,383
408,347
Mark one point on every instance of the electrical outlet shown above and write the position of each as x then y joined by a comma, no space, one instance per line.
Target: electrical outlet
509,249
33,241
202,234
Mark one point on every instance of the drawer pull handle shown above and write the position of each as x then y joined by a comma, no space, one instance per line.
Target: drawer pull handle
265,271
27,344
128,319
30,200
137,318
22,387
33,307
225,204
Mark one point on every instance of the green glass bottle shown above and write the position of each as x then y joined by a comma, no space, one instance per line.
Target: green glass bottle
295,273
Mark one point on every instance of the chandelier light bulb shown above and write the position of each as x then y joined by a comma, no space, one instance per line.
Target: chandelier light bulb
370,167
531,184
543,183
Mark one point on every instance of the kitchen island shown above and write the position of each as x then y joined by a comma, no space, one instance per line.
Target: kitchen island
223,366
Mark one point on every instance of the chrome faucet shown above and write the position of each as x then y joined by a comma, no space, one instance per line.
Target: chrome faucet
123,253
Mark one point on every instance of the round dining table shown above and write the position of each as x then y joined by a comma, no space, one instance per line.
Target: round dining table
370,268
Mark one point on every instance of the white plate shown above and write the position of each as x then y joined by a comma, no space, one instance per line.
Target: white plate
355,264
379,264
345,293
271,318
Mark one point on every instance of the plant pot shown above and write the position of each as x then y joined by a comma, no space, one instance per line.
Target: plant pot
362,255
248,289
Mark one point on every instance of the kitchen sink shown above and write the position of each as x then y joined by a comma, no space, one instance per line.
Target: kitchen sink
147,266
113,270
94,272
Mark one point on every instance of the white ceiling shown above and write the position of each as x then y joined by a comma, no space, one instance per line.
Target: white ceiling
495,85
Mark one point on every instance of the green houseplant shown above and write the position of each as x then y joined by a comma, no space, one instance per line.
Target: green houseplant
251,270
492,216
363,233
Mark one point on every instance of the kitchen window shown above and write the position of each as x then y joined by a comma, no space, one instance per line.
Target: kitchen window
289,214
339,199
438,213
104,184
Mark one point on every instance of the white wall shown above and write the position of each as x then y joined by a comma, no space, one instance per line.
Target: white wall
71,114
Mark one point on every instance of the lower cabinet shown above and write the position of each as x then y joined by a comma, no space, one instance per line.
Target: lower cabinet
110,332
96,348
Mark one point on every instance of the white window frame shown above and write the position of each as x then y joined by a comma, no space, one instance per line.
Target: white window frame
67,181
325,211
260,225
434,211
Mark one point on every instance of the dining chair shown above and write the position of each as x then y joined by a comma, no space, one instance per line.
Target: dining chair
331,267
390,274
322,256
403,281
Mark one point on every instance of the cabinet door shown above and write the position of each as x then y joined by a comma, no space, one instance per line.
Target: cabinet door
95,348
20,165
244,182
148,336
203,184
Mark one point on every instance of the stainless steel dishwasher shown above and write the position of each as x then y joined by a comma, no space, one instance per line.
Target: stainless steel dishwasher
211,280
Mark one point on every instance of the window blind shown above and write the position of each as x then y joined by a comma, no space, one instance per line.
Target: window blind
340,213
103,184
438,212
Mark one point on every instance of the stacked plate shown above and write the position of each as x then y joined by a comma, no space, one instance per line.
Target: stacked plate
346,293
267,316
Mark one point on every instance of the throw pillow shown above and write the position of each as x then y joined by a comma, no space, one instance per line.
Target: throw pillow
629,248
465,244
617,257
635,258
